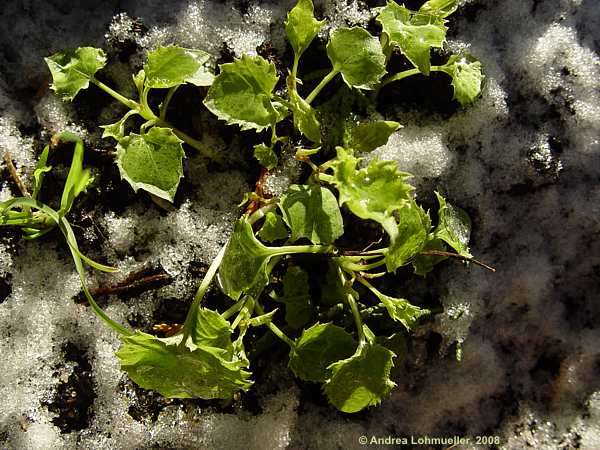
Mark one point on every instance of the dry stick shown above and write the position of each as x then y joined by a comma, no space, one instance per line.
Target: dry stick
142,279
457,256
15,176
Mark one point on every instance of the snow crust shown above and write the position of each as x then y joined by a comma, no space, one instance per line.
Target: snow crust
523,161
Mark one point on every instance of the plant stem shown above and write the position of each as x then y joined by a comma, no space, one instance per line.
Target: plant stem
330,76
407,73
274,328
126,101
360,267
355,313
165,105
148,114
261,212
245,312
193,311
295,249
233,309
206,151
295,71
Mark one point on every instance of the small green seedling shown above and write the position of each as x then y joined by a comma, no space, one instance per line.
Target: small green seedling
243,92
342,330
36,219
152,159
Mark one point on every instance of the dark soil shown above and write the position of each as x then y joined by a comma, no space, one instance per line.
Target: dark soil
74,397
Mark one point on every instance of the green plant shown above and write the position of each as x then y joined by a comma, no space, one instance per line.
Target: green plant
152,159
37,219
342,330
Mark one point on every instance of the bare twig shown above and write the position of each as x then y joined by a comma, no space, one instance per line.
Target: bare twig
141,280
15,176
457,256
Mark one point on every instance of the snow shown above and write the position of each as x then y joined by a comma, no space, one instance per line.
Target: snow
523,161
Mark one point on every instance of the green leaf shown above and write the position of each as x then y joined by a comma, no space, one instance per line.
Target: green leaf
245,266
177,371
367,136
241,93
117,130
414,33
78,178
454,227
296,297
72,69
357,56
361,380
439,8
301,26
40,169
402,310
374,192
305,117
317,348
171,66
273,228
311,211
410,236
265,155
423,264
263,319
467,77
212,330
152,161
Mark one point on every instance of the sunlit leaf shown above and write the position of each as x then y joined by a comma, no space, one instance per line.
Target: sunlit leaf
319,347
357,56
152,161
241,93
72,69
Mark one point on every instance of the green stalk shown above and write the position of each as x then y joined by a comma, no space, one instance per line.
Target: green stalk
261,212
274,328
126,101
295,71
407,73
165,105
361,267
233,309
295,249
330,76
362,340
70,236
193,311
144,110
245,312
